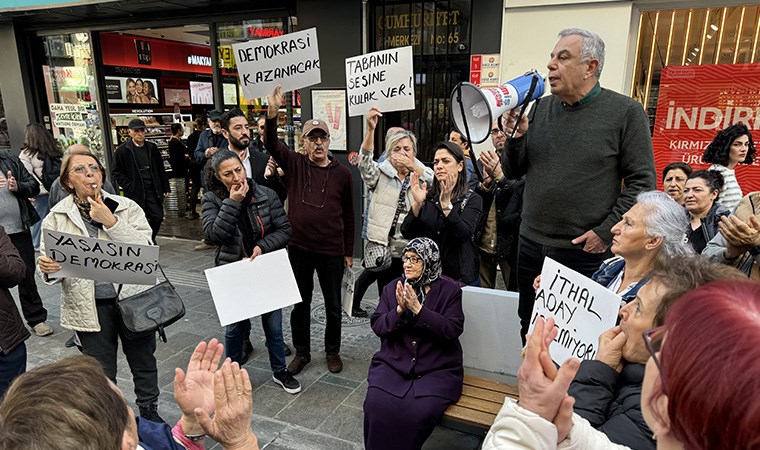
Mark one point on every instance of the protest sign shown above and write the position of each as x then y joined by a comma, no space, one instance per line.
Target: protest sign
582,310
383,79
67,115
290,60
101,260
269,285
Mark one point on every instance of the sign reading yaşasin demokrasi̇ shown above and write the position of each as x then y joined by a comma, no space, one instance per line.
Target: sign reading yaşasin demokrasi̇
290,60
582,310
383,79
101,260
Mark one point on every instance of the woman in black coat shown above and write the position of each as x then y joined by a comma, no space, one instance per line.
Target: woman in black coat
449,214
246,220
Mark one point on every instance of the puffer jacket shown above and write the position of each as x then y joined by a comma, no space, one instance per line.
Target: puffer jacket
33,165
221,217
712,219
12,271
611,402
28,187
609,270
382,179
77,294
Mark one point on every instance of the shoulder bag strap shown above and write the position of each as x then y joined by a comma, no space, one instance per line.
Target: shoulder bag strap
118,290
399,204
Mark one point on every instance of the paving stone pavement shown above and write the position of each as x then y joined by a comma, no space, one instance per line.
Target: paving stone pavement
327,414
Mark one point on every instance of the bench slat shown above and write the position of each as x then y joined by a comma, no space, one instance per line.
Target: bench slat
490,385
481,400
479,405
493,396
470,417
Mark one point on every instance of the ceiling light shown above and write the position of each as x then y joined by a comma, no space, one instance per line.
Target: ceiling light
696,49
714,27
709,36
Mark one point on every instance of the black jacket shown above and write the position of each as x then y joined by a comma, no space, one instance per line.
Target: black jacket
12,271
127,174
258,166
508,197
221,226
27,187
611,402
453,234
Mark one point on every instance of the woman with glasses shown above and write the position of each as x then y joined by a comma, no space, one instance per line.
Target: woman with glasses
391,198
417,373
449,213
729,148
544,416
87,306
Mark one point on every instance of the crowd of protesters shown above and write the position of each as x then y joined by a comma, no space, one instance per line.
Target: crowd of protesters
573,180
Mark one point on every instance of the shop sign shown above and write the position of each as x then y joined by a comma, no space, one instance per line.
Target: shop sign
423,30
383,79
226,57
67,115
291,61
695,102
265,32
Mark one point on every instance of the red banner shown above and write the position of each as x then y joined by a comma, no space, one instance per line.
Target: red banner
695,102
149,53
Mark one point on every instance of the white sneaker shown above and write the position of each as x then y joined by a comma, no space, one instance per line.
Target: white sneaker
42,329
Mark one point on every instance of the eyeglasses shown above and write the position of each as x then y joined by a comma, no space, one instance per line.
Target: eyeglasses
496,131
82,169
653,339
314,139
411,259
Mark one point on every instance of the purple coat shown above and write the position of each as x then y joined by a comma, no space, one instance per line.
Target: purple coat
425,351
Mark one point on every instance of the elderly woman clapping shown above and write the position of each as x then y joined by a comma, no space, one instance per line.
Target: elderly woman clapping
418,371
88,306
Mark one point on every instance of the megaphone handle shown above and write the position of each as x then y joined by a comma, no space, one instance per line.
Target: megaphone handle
531,90
467,133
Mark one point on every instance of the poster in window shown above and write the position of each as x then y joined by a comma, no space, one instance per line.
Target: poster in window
201,93
180,97
143,52
131,90
330,106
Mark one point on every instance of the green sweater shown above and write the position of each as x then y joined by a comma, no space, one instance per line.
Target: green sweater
574,159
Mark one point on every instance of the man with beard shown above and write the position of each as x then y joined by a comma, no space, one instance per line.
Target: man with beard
321,213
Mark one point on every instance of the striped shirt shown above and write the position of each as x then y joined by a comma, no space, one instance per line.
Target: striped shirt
731,194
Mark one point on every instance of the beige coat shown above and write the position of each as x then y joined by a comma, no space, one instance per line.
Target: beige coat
33,165
78,295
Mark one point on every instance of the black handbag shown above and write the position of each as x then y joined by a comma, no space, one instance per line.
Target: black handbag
151,310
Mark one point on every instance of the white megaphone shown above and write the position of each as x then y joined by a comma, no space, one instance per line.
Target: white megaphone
482,106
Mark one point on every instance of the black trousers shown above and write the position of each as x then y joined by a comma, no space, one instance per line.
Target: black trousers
31,303
367,277
154,212
530,261
103,345
330,273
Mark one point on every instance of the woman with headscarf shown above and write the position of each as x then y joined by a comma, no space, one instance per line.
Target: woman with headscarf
418,371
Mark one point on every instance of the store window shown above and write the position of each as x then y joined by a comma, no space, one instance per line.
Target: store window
289,121
71,91
439,33
691,37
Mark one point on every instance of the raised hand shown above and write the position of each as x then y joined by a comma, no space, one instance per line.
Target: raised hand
373,115
12,185
233,406
271,168
491,163
447,187
195,388
274,102
419,192
400,300
410,298
509,121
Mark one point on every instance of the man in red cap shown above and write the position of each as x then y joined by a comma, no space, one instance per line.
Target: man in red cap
321,212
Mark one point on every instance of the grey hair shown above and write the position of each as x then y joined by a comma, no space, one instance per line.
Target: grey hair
665,218
394,138
591,48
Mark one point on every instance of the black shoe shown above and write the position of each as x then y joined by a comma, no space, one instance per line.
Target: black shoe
286,380
150,412
248,346
288,352
71,342
193,215
358,312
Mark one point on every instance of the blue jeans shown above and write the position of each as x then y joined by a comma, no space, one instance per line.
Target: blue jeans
530,261
12,365
42,208
237,333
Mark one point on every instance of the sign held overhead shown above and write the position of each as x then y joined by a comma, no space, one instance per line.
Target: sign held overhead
383,79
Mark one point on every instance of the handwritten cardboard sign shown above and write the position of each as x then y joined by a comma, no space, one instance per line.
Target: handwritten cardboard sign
269,284
101,260
383,79
582,310
67,115
290,60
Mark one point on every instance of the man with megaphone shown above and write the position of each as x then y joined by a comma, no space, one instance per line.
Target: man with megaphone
586,153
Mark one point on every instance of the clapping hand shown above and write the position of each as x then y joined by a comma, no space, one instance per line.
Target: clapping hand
400,300
233,403
740,236
491,163
543,389
419,192
447,188
9,181
195,389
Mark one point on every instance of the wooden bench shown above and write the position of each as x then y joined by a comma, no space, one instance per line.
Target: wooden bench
476,409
